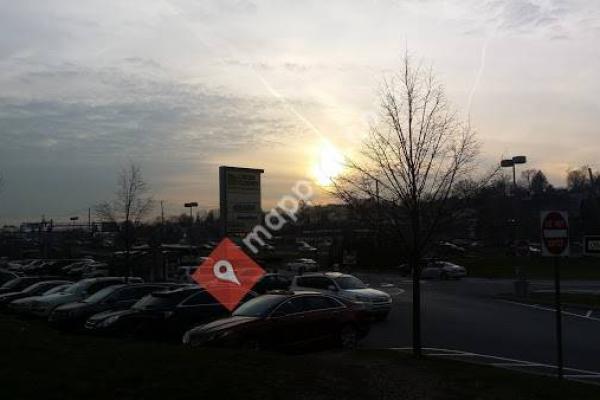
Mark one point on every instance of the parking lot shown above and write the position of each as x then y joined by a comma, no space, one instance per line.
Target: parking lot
465,319
467,316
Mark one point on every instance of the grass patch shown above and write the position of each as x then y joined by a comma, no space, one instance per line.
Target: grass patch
42,363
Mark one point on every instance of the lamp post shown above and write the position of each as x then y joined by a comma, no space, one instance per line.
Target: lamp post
191,206
521,282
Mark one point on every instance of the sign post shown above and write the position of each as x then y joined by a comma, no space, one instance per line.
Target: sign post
555,244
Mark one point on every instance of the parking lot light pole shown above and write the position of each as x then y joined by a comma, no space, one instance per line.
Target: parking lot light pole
521,282
191,206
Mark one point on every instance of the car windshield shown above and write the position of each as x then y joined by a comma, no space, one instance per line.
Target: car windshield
58,289
350,282
258,307
161,300
36,287
78,287
12,284
101,295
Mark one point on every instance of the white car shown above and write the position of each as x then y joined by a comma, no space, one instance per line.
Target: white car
349,287
443,270
43,306
302,265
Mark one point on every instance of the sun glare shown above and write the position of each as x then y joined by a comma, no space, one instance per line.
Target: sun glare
330,164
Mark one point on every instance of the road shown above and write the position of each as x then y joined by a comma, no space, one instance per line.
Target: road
464,315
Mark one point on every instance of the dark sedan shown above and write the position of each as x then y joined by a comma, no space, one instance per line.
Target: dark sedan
18,284
114,298
32,290
286,320
270,282
166,314
6,275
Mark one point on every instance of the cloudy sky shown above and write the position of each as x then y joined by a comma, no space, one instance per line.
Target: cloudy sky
183,86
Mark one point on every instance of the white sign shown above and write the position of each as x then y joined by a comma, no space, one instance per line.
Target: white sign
555,233
240,199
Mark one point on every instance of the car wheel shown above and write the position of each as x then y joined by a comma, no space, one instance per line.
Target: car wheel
348,337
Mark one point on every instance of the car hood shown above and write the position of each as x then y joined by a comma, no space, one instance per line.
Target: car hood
26,300
367,292
74,306
9,295
225,323
58,298
454,268
112,313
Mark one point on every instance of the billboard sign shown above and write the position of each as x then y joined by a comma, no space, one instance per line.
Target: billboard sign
240,199
555,233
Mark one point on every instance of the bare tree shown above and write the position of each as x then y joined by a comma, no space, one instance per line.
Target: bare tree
132,203
409,166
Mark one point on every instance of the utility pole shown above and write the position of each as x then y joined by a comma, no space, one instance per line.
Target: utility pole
162,213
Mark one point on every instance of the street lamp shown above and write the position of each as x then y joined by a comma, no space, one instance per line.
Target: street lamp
521,283
191,207
512,163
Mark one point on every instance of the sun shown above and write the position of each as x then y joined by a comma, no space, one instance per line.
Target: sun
330,164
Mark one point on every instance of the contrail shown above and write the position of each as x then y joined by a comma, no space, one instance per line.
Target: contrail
479,74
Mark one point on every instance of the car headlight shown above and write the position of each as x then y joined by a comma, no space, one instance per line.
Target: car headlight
363,299
108,321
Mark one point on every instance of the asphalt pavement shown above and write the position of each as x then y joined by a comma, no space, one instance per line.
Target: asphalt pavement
467,317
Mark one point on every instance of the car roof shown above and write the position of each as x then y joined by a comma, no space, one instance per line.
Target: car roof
332,275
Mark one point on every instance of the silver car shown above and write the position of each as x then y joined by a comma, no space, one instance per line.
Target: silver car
443,270
348,287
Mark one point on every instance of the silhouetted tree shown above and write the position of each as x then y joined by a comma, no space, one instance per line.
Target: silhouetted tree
527,177
131,204
576,180
539,184
409,166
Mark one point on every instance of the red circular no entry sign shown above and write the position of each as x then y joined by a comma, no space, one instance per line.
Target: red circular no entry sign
555,233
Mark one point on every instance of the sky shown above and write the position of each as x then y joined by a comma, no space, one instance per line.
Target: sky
183,86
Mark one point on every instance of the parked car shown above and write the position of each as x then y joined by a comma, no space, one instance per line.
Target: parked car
18,284
95,270
165,314
113,298
302,265
78,291
33,290
285,320
377,303
6,275
185,272
23,305
305,247
443,270
270,282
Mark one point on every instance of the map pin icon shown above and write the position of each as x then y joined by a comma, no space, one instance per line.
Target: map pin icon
223,271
